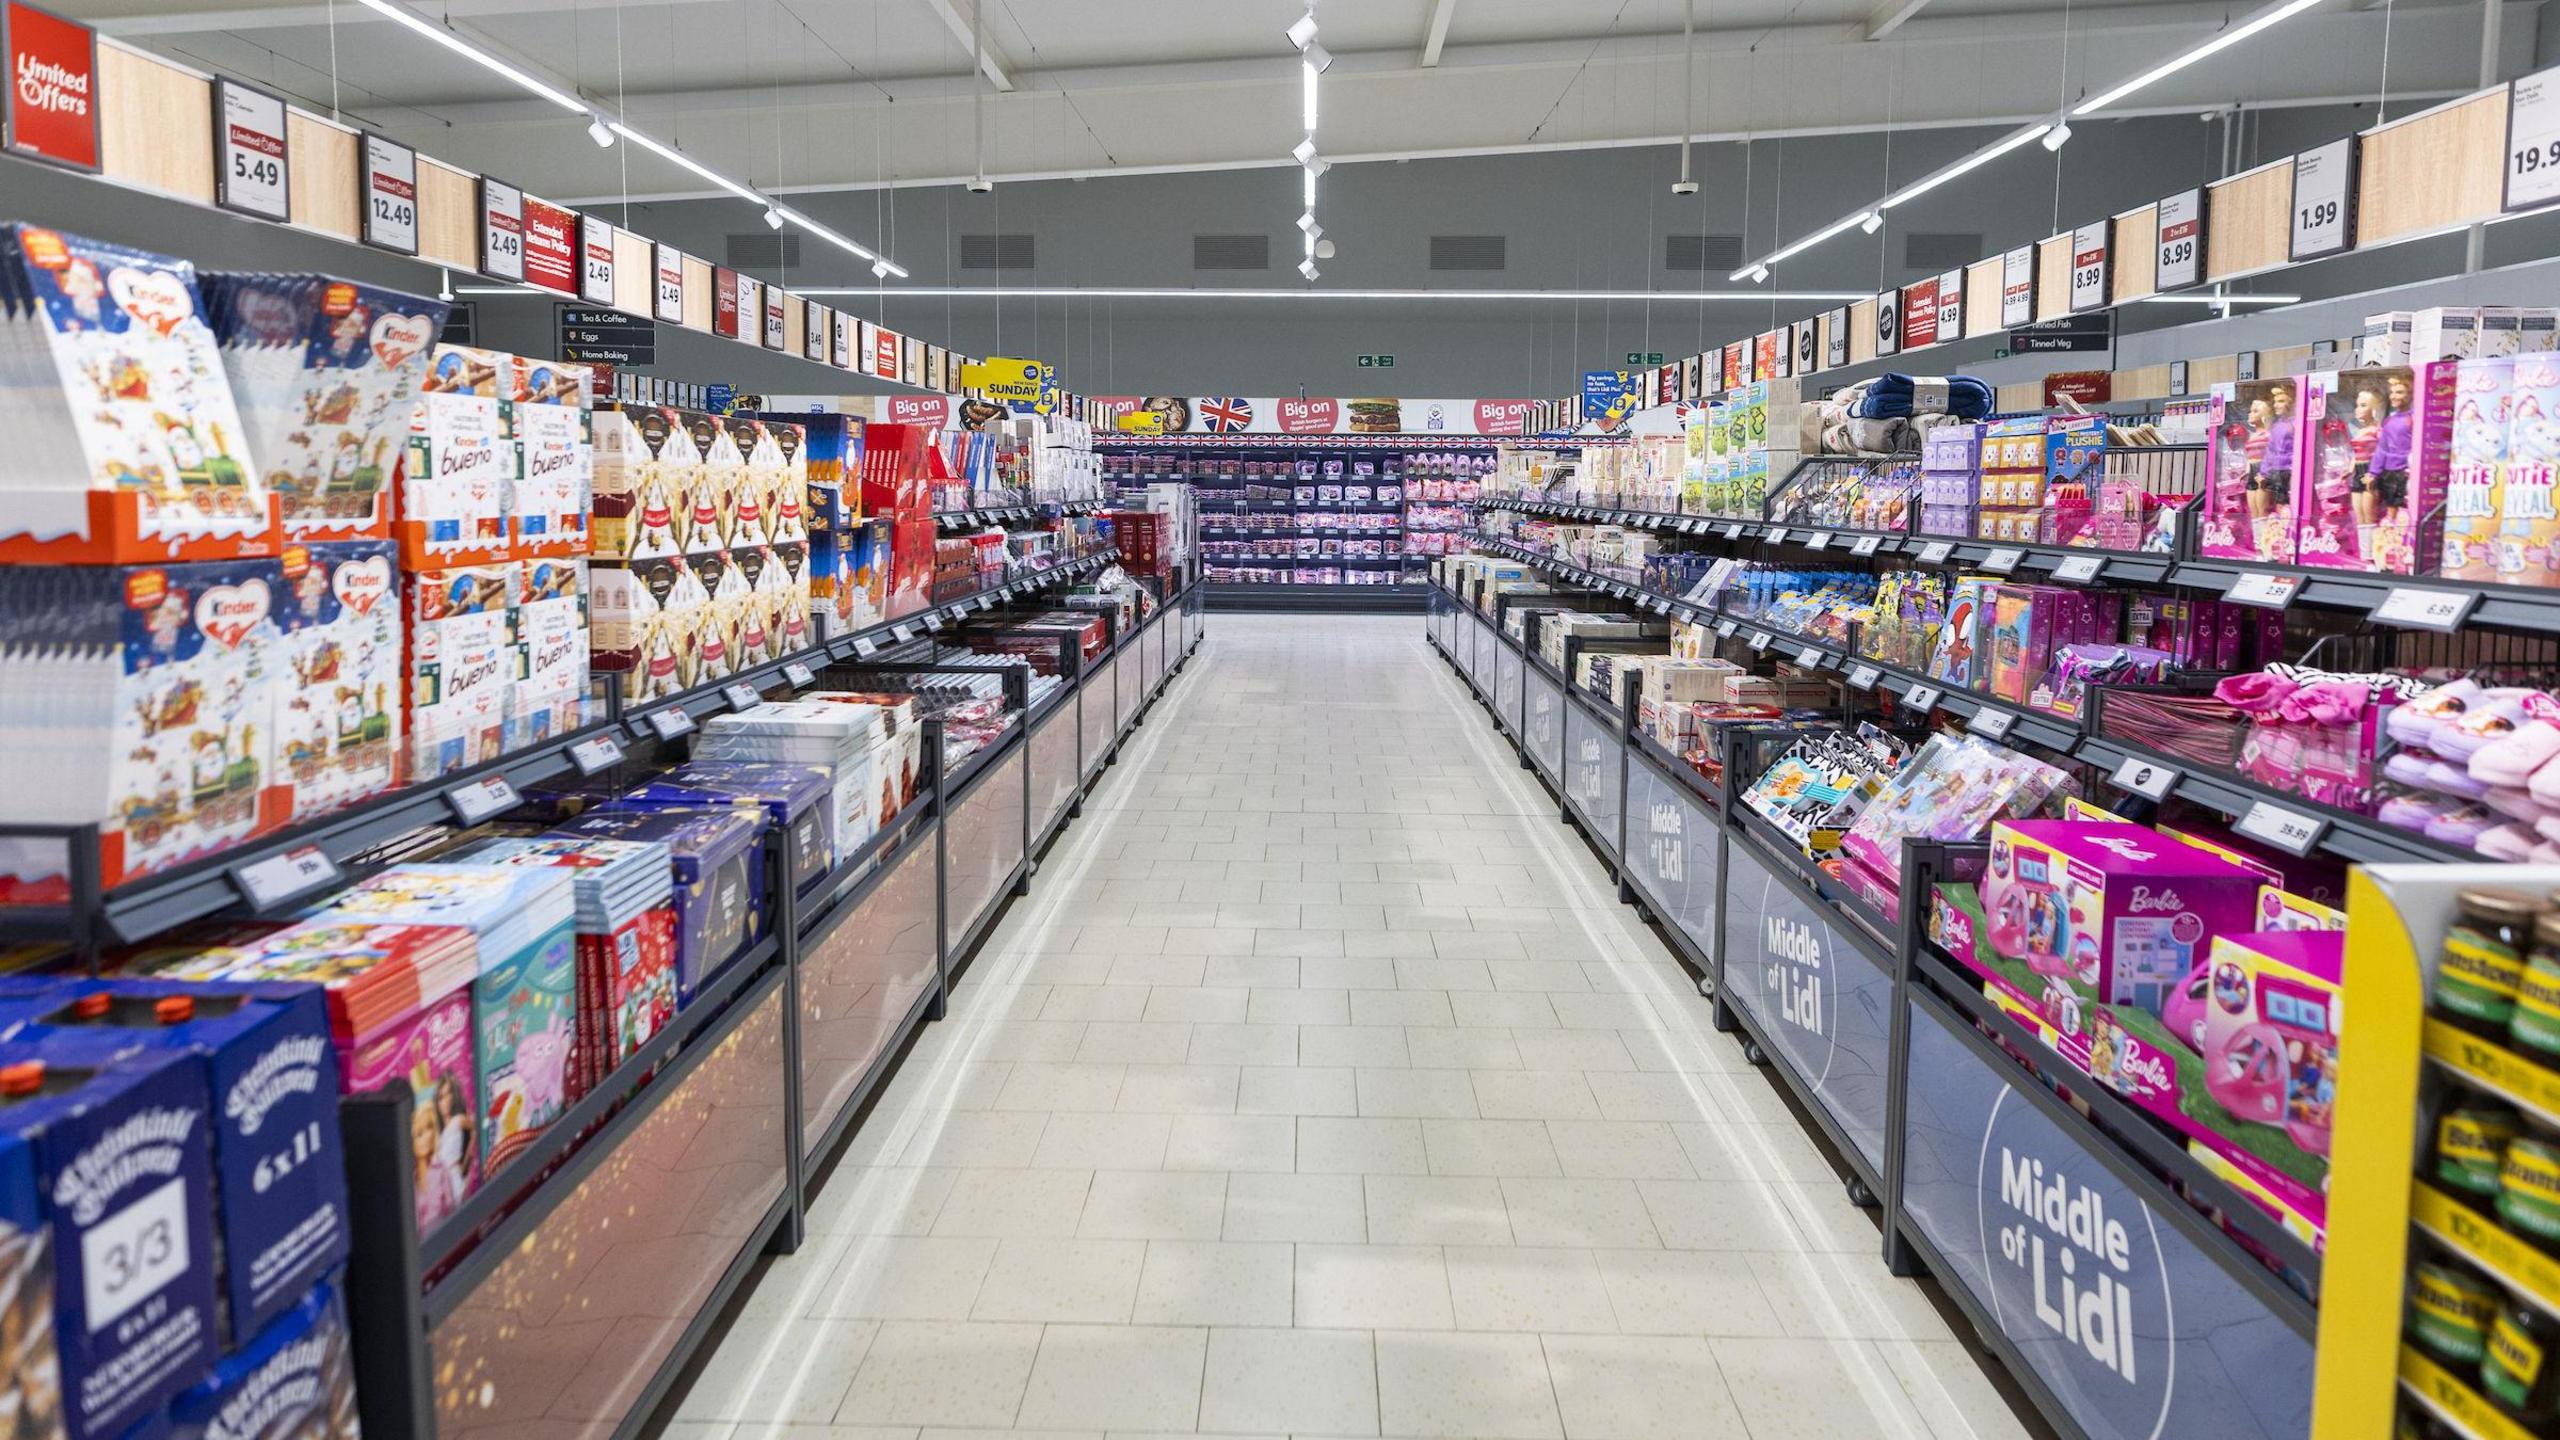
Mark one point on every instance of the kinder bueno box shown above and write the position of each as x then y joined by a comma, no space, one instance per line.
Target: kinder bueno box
295,1381
280,1170
108,1166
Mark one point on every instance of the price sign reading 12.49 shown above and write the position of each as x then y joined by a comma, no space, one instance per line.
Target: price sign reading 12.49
2533,141
390,195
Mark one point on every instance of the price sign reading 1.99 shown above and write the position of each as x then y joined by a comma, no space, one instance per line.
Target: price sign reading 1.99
2324,182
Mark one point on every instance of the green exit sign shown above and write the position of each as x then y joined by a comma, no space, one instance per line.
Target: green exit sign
1640,357
1377,362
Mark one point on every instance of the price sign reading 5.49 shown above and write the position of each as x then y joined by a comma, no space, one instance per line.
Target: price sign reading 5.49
2533,141
250,166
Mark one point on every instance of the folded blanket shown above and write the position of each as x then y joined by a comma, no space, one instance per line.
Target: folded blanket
1895,396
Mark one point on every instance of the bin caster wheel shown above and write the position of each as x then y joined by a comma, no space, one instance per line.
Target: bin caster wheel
1860,1195
1706,987
1752,1052
1643,916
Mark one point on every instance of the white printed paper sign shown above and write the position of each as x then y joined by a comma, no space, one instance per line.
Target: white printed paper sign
390,195
2089,266
2324,216
2533,141
250,159
2180,231
501,230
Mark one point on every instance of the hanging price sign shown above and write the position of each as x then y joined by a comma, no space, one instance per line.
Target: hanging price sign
2533,141
2324,207
2089,266
390,192
595,260
249,159
2018,287
2180,235
501,230
670,283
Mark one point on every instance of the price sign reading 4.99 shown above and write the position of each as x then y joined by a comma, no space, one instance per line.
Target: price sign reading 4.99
2533,141
249,173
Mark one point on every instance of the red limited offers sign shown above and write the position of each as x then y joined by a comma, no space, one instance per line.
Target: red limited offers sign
53,87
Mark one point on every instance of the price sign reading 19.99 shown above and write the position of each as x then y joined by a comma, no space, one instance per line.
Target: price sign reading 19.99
2533,141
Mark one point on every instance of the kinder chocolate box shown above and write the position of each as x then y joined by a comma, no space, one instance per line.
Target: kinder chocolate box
295,1381
280,1169
115,1159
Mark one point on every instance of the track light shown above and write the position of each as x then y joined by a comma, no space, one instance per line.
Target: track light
2274,15
1873,222
1307,222
391,10
1319,58
1303,33
879,269
1305,154
1307,267
599,132
773,217
2058,136
1759,274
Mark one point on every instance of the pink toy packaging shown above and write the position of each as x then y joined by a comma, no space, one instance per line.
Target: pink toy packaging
2119,909
2376,444
2266,1024
2528,550
2257,447
2484,394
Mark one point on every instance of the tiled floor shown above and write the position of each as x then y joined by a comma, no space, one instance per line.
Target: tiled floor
1322,1087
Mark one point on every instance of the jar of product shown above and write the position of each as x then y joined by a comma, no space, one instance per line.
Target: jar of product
2534,1026
2471,1143
2450,1312
2529,1189
2514,1373
2475,986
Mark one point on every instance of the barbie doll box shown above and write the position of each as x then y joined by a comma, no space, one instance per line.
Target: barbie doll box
399,1004
2378,444
2119,911
268,1067
2264,1014
107,1165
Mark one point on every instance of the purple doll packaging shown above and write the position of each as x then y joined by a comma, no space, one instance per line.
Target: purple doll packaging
430,1052
2376,453
2256,449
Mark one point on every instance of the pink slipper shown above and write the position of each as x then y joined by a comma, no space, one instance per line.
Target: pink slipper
2408,767
2447,778
2500,714
2463,826
2506,842
2545,853
2512,761
2416,722
2548,827
2417,811
2515,802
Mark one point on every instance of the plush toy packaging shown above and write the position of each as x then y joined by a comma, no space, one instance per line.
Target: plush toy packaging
338,698
121,1163
295,1380
280,1170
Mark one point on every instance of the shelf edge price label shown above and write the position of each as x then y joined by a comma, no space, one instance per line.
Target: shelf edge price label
673,723
596,754
1733,532
2263,589
1724,629
1811,658
1864,677
1936,552
1818,540
865,646
1921,698
800,676
2080,569
2004,560
1777,534
2288,830
902,633
2147,778
1866,545
1759,642
480,799
2420,608
742,696
1991,724
287,875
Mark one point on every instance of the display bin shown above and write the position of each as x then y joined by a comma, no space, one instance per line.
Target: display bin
870,972
1051,756
1676,850
984,843
1812,987
1595,766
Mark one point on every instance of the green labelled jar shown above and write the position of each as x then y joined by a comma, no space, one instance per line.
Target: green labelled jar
2529,1190
2471,1143
2513,1374
2450,1312
2534,1027
2483,961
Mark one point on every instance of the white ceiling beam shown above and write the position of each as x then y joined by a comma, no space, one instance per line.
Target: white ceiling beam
988,60
1439,33
1888,17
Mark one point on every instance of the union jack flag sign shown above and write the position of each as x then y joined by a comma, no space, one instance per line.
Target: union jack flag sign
1226,414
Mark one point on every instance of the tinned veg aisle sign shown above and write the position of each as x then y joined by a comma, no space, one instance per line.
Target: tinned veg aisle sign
52,113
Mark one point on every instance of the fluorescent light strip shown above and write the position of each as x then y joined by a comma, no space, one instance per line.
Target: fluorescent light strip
1847,222
2219,300
670,153
2218,43
1973,161
392,10
839,241
1308,103
1055,292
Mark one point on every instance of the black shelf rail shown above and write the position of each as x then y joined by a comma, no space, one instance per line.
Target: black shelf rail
1025,509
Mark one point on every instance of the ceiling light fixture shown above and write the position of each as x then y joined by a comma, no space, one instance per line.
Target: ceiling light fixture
879,269
840,242
1759,274
1872,221
2264,19
2058,136
1968,164
599,132
1799,247
1307,105
677,157
1304,152
1307,267
1307,222
392,10
773,217
1302,33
